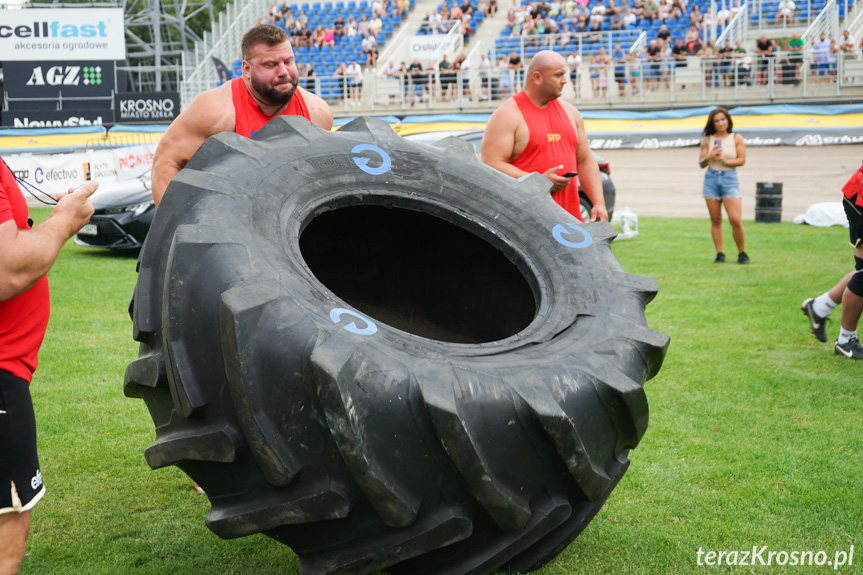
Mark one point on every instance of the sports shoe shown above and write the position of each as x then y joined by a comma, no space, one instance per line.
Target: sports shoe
742,258
720,258
816,323
850,348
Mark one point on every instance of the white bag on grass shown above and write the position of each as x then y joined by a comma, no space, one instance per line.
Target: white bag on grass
627,221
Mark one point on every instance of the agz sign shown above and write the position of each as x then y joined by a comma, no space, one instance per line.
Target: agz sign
66,76
49,79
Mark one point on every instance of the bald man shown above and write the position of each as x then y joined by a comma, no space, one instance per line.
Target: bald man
267,88
536,131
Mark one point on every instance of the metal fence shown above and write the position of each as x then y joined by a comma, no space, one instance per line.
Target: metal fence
743,77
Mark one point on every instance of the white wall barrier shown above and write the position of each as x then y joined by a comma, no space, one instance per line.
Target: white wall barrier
56,173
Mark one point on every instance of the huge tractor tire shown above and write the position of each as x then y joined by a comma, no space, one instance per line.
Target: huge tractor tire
386,355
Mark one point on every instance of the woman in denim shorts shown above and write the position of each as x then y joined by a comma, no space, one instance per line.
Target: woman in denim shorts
721,152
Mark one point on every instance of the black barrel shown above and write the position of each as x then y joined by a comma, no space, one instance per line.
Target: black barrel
768,202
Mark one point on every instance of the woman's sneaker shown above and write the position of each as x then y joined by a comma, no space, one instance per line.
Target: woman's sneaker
720,258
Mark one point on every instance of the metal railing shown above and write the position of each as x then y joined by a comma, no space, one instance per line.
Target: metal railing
737,29
630,81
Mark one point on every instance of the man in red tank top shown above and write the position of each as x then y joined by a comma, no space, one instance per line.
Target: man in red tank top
27,252
267,88
536,131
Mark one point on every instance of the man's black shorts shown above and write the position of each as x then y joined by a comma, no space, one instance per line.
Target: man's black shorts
855,226
20,478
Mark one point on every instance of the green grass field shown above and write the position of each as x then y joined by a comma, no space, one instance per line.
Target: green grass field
754,439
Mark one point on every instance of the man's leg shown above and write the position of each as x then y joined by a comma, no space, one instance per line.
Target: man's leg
13,533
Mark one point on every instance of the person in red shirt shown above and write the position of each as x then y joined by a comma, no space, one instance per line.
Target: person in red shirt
26,256
536,131
849,290
267,88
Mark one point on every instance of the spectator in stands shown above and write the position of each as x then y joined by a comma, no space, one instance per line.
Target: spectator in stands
663,10
679,53
339,27
821,58
765,47
723,15
597,15
629,19
485,72
436,23
795,52
735,8
267,88
375,26
620,58
848,45
517,69
617,20
696,16
466,29
582,27
599,73
462,68
654,57
650,10
305,37
275,14
724,67
355,82
693,41
707,23
785,67
447,78
418,79
402,7
834,56
785,12
663,33
744,66
290,22
318,37
638,9
505,79
302,19
573,64
404,78
369,48
341,75
351,29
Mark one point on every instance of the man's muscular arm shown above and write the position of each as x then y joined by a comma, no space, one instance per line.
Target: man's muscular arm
27,255
210,113
588,170
498,141
319,111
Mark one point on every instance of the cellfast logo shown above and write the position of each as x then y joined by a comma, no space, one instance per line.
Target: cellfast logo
55,29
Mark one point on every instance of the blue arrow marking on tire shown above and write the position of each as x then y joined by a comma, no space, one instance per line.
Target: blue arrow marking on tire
559,232
337,313
363,163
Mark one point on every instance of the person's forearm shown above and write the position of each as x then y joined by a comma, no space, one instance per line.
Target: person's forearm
162,174
32,254
506,168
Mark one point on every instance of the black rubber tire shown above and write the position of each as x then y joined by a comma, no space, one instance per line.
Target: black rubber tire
387,355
